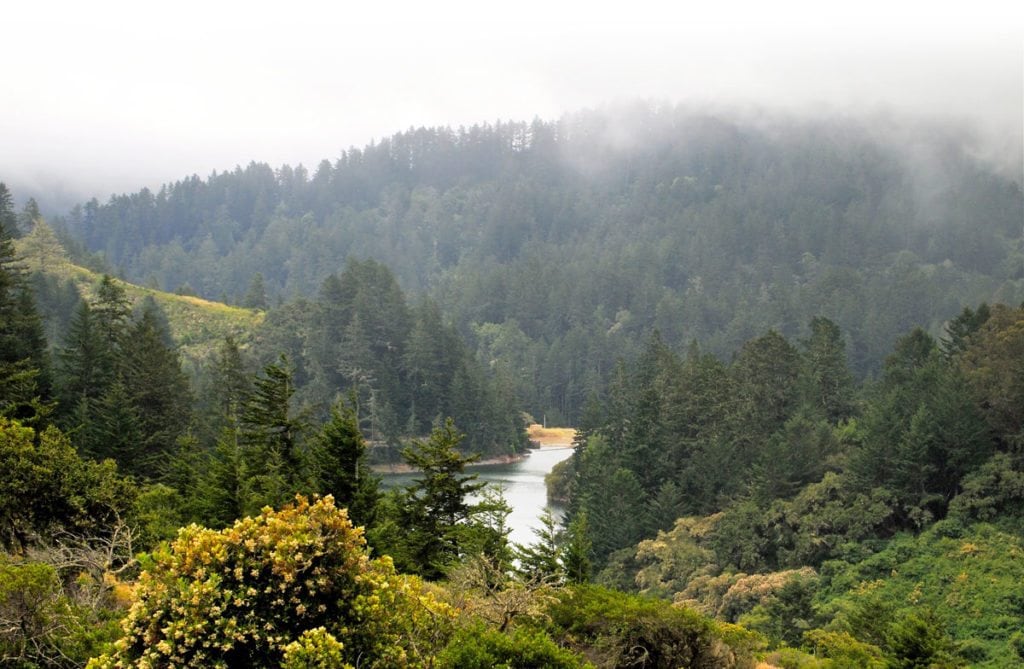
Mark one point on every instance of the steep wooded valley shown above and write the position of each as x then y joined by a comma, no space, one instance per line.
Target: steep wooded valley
792,349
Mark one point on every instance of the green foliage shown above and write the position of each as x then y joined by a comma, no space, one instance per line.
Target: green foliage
612,629
788,613
434,507
40,625
273,438
339,454
844,651
971,576
485,534
48,489
920,640
992,366
683,228
481,647
404,368
122,389
960,329
315,649
542,560
576,554
157,390
24,362
921,434
992,493
294,585
612,498
560,480
256,296
158,514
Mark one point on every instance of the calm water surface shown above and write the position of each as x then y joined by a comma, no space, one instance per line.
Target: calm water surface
522,484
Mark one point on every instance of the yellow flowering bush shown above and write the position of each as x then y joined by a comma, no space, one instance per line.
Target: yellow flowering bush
315,649
241,596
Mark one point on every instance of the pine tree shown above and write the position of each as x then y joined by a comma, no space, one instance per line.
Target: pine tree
27,218
272,436
577,551
541,561
225,489
256,295
85,368
112,312
340,457
827,382
8,219
436,504
960,329
24,363
224,388
115,431
159,391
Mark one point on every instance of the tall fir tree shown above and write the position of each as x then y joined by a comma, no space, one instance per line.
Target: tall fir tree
826,380
341,469
158,391
272,436
24,361
436,504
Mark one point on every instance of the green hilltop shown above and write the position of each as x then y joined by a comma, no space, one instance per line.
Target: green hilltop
196,325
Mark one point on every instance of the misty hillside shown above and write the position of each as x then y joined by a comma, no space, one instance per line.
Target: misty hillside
556,247
197,326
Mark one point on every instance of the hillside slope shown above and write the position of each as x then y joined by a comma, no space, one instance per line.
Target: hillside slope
196,325
556,247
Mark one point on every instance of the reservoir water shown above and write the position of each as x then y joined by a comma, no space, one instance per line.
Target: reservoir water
522,484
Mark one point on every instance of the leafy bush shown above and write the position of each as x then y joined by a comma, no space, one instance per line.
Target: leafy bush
613,629
480,647
41,624
845,651
315,649
973,578
243,596
48,489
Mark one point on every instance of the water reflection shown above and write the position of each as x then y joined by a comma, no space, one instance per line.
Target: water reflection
522,484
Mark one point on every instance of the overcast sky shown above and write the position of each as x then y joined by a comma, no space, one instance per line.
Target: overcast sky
113,96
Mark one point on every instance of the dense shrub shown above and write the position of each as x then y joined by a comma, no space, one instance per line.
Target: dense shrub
243,597
613,629
481,647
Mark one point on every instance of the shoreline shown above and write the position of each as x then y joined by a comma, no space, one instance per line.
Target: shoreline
402,468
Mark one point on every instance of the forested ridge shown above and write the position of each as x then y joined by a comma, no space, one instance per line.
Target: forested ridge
555,247
792,349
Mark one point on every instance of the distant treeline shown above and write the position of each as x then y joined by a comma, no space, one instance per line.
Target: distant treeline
555,247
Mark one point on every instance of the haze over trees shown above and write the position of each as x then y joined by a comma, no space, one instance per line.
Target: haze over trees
554,247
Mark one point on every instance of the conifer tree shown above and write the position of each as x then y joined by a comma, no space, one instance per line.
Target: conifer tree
225,489
256,296
576,554
8,219
436,503
340,460
272,436
85,368
112,312
115,431
158,390
827,382
541,561
24,363
224,389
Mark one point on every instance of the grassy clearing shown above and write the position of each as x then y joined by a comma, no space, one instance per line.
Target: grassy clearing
198,326
551,436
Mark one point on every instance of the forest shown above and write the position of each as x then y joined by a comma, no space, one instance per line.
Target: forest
792,350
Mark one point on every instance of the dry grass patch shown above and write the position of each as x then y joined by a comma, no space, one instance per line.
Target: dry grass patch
551,436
